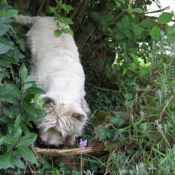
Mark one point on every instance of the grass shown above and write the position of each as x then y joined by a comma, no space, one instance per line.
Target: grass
146,142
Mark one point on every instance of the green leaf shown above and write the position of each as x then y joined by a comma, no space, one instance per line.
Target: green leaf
13,114
95,16
147,23
17,161
9,60
3,29
88,28
156,32
124,71
9,140
5,161
10,126
138,30
110,6
23,72
30,109
103,133
117,120
138,10
135,58
10,13
27,154
4,6
66,21
4,46
165,18
27,140
17,126
53,10
144,70
57,33
116,136
35,90
126,21
7,88
67,30
67,8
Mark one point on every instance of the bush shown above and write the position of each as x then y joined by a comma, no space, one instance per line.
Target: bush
129,63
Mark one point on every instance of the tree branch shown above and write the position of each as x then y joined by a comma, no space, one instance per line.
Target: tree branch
80,12
71,152
40,7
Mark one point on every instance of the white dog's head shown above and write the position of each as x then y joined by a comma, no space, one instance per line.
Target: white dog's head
63,122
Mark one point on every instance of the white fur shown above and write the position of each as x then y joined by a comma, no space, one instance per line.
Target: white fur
56,65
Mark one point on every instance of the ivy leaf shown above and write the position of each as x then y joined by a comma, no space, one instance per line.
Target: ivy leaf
103,133
67,30
117,120
27,154
27,140
165,18
156,32
5,161
35,90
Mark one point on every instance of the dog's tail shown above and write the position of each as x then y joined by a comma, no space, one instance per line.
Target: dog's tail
25,20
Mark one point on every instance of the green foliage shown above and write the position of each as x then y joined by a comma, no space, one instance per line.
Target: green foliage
60,17
129,64
17,90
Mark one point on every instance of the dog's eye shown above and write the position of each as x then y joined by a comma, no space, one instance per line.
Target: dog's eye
78,117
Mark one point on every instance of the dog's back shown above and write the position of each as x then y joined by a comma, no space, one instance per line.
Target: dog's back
41,39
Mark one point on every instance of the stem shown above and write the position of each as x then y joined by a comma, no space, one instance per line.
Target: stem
81,164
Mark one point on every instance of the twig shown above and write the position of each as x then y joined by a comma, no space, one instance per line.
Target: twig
161,10
104,89
118,16
70,152
161,114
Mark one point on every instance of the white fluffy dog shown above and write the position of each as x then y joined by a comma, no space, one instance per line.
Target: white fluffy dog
56,65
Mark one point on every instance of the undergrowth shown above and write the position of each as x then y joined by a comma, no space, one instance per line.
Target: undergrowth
131,96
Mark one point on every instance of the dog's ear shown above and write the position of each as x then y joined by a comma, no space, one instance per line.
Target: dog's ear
47,99
79,116
85,106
